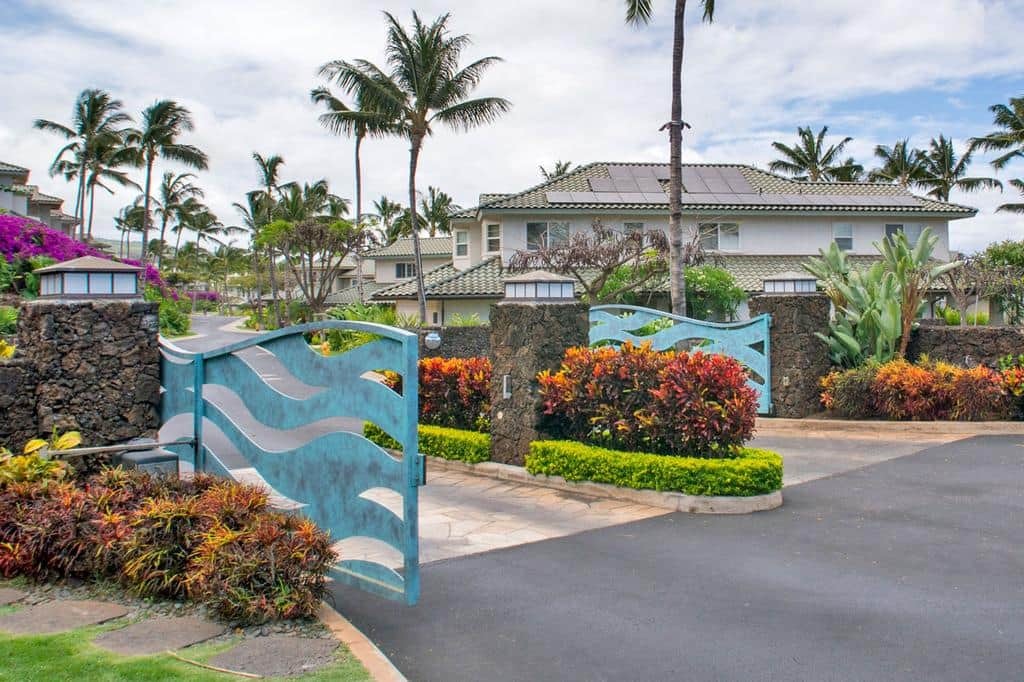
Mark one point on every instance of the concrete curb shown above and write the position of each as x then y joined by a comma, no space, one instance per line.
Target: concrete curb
881,428
373,659
693,504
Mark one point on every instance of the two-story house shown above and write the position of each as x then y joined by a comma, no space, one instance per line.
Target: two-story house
20,198
754,223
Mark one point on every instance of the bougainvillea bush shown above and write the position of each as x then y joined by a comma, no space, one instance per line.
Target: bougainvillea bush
637,399
923,391
22,239
207,539
454,392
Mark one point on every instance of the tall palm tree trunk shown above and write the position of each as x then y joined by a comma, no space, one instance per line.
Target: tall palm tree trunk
677,269
145,211
163,231
359,217
80,202
92,208
421,295
259,288
273,287
177,245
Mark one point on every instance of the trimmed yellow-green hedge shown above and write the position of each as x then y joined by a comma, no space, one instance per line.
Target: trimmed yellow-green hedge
439,441
753,472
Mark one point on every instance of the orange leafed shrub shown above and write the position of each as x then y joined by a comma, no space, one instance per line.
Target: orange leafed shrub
637,399
454,392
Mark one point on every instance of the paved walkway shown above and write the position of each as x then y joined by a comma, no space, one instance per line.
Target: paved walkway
908,569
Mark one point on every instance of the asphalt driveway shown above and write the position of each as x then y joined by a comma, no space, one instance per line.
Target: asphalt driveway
907,569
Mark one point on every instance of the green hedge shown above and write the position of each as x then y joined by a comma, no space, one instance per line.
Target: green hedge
754,472
439,441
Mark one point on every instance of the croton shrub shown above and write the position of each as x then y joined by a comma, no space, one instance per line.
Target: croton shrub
207,539
638,399
453,392
926,390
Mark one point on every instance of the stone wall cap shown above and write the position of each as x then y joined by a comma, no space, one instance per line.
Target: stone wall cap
91,264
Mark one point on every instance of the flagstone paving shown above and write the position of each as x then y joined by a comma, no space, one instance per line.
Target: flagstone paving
9,595
158,634
278,656
59,616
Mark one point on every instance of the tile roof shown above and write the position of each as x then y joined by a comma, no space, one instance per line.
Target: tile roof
403,248
11,168
487,279
767,192
351,294
38,197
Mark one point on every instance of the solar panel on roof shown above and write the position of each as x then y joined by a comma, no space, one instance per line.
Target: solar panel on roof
624,185
662,172
582,197
650,184
620,171
736,181
602,184
558,197
655,198
608,197
635,197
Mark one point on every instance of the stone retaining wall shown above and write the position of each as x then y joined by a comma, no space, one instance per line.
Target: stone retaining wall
966,345
90,366
459,342
798,358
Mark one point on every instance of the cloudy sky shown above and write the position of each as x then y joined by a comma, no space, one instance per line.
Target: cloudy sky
584,86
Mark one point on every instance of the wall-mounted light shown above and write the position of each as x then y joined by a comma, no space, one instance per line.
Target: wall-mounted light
89,277
539,286
506,386
432,340
790,283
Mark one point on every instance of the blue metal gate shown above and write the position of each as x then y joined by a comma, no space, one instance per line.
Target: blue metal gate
329,473
746,341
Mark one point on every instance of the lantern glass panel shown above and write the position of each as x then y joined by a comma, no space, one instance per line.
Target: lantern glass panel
76,282
124,283
100,283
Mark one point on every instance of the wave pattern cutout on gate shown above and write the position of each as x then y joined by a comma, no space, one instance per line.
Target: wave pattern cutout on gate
311,449
747,341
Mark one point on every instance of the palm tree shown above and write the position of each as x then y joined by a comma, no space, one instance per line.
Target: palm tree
162,124
184,214
96,115
810,158
269,169
1017,184
944,172
639,12
387,213
1010,139
255,214
106,155
848,171
437,208
128,220
901,164
358,122
425,85
174,191
560,168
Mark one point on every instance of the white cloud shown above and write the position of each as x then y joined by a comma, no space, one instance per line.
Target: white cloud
585,87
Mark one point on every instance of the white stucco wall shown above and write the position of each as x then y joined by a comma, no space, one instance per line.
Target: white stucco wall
384,269
16,203
768,235
467,308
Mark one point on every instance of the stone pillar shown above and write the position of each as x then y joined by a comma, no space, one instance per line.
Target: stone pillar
526,338
798,358
97,367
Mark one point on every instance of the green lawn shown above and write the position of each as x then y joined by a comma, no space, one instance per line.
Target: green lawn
72,656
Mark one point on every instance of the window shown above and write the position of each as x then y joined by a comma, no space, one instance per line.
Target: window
405,270
913,232
842,233
632,227
461,244
720,236
546,234
493,238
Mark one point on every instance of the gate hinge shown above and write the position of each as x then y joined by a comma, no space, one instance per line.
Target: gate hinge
422,469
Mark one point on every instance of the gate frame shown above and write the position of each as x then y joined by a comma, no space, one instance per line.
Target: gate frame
412,463
727,338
